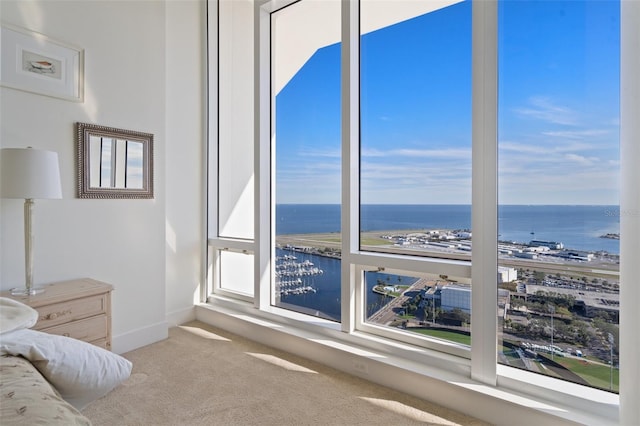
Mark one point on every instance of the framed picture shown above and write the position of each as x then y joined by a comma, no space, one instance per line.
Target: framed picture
35,63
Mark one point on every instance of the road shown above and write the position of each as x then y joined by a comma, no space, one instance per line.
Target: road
386,315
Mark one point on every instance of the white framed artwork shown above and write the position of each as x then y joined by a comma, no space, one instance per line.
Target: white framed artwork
35,63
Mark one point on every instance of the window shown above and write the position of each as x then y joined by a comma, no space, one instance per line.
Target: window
559,227
305,71
415,121
231,188
415,162
475,128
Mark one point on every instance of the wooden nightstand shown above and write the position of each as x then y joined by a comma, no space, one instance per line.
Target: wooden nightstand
78,308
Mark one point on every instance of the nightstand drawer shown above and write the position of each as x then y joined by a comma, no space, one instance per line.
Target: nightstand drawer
90,329
77,308
60,313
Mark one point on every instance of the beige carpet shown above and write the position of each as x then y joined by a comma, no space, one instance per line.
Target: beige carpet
202,375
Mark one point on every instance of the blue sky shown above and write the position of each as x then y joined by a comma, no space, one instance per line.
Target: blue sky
558,110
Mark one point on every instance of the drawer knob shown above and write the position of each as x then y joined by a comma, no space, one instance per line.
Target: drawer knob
54,315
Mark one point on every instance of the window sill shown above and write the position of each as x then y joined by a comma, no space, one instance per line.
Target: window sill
441,378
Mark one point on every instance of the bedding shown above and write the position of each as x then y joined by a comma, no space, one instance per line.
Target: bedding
15,315
26,398
78,371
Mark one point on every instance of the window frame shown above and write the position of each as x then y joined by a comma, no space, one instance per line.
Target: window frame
483,367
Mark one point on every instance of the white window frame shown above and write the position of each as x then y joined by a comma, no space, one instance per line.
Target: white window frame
483,364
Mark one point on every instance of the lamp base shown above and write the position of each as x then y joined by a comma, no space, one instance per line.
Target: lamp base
24,292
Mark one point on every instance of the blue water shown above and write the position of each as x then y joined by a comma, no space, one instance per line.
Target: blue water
577,227
325,302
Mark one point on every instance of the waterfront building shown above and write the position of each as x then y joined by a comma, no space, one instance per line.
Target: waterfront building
553,245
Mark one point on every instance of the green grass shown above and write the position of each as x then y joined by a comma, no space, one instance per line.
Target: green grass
380,290
374,242
451,336
597,375
329,240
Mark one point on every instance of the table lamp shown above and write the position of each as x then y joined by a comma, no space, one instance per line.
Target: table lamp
29,173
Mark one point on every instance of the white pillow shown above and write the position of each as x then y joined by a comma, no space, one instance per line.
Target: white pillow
16,315
80,372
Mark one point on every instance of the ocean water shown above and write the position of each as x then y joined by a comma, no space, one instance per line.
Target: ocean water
577,227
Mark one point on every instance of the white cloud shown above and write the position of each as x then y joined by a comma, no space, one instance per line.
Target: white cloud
576,134
545,147
581,160
306,151
543,108
446,153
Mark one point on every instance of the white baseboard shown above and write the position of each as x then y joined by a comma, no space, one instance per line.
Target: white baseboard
182,316
138,338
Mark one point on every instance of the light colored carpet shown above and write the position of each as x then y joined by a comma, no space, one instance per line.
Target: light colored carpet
202,375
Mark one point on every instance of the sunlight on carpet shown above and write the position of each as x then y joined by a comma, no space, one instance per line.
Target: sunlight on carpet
203,333
271,359
408,411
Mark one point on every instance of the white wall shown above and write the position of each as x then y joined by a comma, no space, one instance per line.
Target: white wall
186,155
142,72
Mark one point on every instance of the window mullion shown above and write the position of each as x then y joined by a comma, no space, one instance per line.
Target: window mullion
350,96
211,190
629,212
484,191
262,158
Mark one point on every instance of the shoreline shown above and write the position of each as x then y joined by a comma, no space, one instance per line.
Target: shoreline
416,242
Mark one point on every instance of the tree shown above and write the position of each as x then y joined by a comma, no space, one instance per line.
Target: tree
539,276
562,311
516,302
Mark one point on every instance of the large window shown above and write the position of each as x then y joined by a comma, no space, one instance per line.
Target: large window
559,226
415,162
305,85
418,170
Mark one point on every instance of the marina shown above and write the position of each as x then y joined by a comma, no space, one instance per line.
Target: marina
293,277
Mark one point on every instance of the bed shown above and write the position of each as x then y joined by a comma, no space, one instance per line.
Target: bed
48,379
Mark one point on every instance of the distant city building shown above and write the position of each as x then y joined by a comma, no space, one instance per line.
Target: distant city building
456,297
504,249
590,302
507,275
581,256
503,302
553,245
526,255
537,249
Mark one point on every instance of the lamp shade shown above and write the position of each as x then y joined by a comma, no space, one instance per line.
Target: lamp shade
29,173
